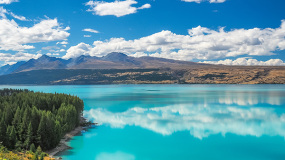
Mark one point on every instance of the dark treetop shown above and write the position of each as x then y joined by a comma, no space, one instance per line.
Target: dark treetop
36,119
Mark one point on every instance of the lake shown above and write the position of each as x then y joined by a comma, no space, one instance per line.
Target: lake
183,122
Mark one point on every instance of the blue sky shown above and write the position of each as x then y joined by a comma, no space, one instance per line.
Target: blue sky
246,32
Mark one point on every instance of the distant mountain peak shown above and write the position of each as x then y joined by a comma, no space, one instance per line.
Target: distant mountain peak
81,59
44,57
115,56
84,56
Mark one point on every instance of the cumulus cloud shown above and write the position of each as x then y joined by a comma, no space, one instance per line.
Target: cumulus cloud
211,1
78,50
200,120
8,58
139,54
200,43
116,8
248,62
17,38
7,1
90,30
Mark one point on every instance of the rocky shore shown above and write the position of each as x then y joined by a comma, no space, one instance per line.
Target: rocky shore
62,146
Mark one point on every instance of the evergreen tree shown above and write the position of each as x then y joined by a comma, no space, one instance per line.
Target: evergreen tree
17,118
25,123
39,150
33,148
29,137
3,129
19,145
35,119
58,131
12,138
41,133
28,119
8,114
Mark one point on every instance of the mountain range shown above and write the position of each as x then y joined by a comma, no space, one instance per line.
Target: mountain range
111,61
118,68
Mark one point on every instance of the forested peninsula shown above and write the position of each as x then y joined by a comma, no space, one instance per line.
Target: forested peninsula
30,120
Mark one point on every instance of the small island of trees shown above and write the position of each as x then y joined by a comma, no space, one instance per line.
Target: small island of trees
31,120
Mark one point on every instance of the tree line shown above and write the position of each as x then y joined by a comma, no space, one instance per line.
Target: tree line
32,119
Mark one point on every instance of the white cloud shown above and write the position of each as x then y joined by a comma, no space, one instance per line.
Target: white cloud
22,18
63,42
3,13
211,1
50,48
200,120
7,1
116,8
76,51
67,28
90,30
139,54
88,36
145,6
9,63
17,38
248,62
201,43
20,56
52,54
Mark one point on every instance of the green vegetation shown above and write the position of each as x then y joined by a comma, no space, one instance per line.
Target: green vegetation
36,121
5,154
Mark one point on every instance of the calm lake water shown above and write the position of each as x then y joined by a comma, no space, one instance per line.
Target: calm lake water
183,122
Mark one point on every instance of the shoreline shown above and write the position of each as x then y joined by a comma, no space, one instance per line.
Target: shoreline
63,146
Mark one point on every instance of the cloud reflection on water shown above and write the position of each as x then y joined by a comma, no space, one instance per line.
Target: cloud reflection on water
200,120
250,98
115,156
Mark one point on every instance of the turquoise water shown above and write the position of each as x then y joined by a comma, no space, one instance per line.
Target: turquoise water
183,122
